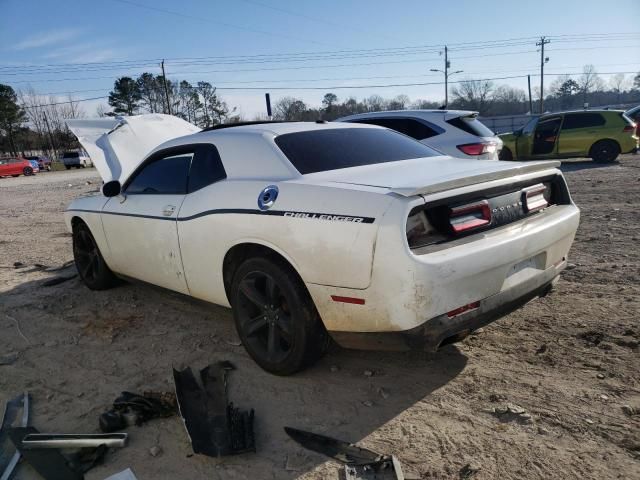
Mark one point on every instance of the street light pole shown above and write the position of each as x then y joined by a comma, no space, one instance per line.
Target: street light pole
447,65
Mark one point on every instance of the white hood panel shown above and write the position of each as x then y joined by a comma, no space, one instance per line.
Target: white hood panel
118,145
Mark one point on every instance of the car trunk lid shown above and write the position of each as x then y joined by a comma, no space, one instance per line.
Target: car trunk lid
425,176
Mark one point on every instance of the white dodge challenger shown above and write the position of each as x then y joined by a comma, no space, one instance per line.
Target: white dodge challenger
317,230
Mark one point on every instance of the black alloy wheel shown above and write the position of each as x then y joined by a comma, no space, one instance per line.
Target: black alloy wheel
89,262
27,171
275,316
604,151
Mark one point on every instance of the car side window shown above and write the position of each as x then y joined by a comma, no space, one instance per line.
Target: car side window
408,126
166,175
206,168
530,126
582,120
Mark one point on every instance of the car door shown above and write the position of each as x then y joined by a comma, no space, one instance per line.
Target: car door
141,224
579,131
544,141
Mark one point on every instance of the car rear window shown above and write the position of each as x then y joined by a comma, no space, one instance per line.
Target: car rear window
71,154
413,128
582,120
332,149
472,125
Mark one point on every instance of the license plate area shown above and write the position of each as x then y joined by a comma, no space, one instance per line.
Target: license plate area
524,270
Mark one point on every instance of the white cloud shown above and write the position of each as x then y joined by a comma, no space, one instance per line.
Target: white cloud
47,39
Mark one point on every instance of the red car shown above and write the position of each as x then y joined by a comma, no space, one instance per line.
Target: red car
15,167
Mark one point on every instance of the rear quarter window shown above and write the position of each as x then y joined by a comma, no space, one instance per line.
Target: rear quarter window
582,120
332,149
408,126
471,125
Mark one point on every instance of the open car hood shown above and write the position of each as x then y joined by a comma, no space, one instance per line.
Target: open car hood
424,176
117,145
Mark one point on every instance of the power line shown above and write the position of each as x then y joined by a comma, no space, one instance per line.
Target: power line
313,55
334,87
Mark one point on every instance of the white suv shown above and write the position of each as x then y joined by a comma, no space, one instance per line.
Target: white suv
76,159
458,133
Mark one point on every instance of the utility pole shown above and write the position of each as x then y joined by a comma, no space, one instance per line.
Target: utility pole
166,90
530,102
447,65
543,41
53,145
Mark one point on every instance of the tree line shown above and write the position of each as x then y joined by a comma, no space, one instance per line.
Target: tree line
33,122
198,104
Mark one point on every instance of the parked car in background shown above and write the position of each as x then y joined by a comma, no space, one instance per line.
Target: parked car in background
598,134
634,114
311,229
15,167
457,133
34,164
76,159
44,163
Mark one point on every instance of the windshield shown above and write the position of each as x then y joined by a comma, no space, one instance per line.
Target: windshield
321,150
530,126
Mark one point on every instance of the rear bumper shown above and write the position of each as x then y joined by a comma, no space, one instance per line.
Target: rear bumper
432,333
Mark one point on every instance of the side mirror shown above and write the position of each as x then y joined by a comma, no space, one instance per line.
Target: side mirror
111,189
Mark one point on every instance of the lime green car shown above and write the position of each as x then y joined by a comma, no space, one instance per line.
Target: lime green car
599,134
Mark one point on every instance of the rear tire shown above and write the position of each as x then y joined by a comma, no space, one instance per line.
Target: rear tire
68,167
27,171
275,316
91,266
604,151
505,154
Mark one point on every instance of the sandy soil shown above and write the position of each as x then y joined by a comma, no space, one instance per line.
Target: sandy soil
570,360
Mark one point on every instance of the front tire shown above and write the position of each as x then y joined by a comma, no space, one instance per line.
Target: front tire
275,316
604,151
27,171
91,266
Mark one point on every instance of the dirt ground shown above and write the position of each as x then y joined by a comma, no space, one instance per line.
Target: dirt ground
570,361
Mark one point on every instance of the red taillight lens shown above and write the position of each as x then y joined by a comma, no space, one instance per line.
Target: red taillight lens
629,129
477,148
463,309
469,217
534,198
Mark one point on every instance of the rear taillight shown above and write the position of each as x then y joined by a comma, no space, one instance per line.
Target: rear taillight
469,217
477,148
535,198
629,129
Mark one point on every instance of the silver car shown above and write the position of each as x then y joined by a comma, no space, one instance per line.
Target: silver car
457,133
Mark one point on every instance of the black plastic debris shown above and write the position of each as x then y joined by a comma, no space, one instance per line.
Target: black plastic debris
215,427
133,409
50,463
359,463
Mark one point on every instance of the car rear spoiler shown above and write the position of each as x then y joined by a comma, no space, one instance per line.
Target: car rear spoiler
458,182
117,145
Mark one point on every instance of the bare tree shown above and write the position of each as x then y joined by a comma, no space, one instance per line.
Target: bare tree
472,95
589,81
289,108
618,83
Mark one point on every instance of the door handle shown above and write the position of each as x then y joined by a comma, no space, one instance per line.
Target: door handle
168,210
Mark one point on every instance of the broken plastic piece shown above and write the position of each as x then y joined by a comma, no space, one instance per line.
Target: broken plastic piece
72,440
360,463
214,426
12,408
133,409
123,475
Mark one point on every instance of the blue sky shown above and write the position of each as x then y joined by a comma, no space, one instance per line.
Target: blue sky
38,32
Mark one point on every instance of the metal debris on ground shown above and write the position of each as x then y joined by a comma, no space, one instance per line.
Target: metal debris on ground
123,475
9,358
359,463
133,409
74,440
215,427
15,408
